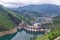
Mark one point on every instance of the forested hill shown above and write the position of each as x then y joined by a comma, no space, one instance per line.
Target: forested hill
54,33
8,19
45,8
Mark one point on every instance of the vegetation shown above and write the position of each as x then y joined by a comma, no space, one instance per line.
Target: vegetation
54,33
5,22
17,15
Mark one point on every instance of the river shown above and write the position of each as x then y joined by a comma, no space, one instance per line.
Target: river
21,35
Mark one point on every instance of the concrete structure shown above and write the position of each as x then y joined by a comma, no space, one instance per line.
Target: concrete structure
34,28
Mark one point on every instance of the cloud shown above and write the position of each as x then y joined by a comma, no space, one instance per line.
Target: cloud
16,3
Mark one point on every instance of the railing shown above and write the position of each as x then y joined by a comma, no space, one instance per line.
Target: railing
33,29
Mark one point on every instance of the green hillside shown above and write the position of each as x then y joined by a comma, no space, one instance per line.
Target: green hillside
17,15
55,32
9,19
5,22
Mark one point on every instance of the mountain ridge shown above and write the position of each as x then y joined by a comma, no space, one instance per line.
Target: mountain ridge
45,8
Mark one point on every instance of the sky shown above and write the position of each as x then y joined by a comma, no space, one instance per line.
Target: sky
17,3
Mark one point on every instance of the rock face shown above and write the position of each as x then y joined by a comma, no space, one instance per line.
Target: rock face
8,32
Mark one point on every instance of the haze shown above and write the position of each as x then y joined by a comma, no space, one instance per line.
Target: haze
17,3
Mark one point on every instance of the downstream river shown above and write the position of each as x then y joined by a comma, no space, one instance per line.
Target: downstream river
21,35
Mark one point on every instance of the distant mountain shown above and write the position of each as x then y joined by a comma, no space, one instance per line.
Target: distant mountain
45,8
32,12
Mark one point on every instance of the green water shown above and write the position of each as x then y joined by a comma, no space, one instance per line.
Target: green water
21,35
8,37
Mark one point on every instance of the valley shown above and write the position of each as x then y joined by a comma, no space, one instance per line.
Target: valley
32,22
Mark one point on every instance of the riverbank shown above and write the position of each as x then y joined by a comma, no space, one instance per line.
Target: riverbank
8,32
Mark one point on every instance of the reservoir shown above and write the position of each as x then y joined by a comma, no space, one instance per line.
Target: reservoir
21,35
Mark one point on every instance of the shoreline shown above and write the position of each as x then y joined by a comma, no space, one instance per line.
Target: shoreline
8,32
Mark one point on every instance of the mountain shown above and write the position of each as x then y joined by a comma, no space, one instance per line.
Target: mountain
9,19
5,22
45,8
32,12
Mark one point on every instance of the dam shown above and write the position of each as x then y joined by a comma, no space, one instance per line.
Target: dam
36,27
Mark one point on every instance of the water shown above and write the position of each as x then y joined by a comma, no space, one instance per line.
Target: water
20,35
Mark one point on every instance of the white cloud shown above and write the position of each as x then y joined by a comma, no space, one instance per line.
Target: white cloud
16,3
